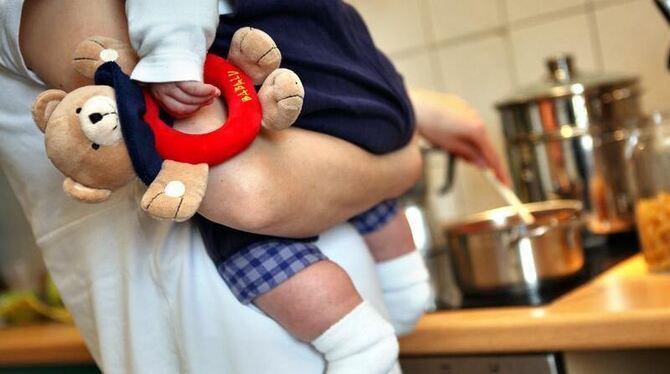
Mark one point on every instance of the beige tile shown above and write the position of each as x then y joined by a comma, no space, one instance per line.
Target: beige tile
418,71
453,18
533,44
395,25
635,39
522,9
604,3
478,71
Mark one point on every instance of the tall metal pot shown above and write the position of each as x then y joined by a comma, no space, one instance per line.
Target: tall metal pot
566,139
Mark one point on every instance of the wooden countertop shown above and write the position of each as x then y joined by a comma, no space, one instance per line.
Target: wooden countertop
624,308
42,344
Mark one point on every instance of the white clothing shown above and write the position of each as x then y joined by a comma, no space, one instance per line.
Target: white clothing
407,292
144,293
360,342
172,38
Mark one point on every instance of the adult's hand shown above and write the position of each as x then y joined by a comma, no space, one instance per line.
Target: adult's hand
449,122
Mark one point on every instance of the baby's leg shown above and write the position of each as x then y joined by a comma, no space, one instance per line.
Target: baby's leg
402,272
320,305
313,298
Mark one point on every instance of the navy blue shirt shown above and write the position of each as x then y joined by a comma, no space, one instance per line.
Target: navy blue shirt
352,91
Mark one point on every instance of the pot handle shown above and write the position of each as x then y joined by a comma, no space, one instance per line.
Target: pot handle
537,232
450,174
526,234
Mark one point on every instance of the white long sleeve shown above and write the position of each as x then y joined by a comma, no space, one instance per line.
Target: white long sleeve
171,37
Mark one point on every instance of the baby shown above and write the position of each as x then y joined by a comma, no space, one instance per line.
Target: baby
352,92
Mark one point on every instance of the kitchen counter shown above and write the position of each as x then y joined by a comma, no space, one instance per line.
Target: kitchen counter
42,344
625,308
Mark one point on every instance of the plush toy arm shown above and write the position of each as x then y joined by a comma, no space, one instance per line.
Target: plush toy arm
96,50
177,191
281,96
254,52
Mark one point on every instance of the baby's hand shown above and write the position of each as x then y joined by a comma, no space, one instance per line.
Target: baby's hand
181,99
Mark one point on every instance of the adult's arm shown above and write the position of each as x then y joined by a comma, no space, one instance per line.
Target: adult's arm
449,122
298,183
291,183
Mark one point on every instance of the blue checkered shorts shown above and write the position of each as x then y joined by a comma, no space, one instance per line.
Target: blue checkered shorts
262,266
374,218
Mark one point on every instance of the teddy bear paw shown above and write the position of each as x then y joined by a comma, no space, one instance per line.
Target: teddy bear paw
170,201
281,96
254,52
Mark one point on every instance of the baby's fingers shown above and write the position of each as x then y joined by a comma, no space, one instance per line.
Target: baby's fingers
199,89
178,109
185,98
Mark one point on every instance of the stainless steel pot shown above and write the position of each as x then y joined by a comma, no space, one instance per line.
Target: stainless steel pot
494,251
566,139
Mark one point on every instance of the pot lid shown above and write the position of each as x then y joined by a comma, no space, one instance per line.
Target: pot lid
564,80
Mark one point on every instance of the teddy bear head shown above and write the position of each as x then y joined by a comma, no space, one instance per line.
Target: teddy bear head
83,140
82,132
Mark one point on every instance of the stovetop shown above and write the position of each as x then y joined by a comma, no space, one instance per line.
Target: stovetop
600,254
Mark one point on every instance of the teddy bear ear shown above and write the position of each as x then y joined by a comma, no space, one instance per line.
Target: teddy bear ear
96,50
44,106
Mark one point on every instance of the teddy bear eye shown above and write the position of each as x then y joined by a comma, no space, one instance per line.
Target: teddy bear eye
78,110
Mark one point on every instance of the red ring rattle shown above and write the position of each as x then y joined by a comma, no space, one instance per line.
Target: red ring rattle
234,136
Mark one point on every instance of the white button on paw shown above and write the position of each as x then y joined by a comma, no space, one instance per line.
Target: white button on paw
108,54
175,189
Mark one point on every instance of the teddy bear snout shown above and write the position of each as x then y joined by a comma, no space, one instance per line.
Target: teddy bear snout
99,121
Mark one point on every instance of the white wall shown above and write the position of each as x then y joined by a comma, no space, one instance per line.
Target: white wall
483,49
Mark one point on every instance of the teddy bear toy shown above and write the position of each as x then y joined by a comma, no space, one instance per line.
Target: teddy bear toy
103,136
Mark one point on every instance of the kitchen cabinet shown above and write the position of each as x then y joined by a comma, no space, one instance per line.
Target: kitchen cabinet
517,364
597,362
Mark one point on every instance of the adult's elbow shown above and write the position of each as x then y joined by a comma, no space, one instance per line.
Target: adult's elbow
244,199
260,217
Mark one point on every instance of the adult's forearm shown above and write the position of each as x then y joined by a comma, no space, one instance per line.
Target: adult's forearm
297,183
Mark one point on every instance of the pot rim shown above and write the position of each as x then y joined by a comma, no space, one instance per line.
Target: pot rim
606,89
502,214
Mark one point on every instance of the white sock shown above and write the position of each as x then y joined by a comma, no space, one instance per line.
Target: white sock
407,292
361,342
